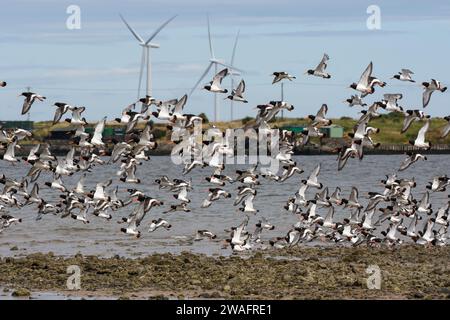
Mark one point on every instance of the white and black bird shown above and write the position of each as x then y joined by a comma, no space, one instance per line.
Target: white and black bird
355,100
7,220
389,103
100,193
404,75
30,98
320,117
311,131
77,119
281,75
98,133
411,159
126,114
34,197
335,197
424,205
81,215
238,93
319,71
127,172
10,153
352,201
248,205
214,85
353,151
61,109
182,195
439,184
446,130
178,207
328,221
411,116
214,195
263,224
442,215
202,234
243,192
429,88
239,235
219,179
289,171
158,224
313,179
367,82
420,140
56,184
322,199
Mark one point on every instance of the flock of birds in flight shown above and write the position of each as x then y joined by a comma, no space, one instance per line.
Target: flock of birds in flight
390,217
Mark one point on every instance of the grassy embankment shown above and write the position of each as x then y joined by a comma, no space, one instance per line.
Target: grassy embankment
390,126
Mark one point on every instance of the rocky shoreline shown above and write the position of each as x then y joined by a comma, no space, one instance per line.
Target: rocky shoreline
407,272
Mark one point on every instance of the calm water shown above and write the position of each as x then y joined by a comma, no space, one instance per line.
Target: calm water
100,237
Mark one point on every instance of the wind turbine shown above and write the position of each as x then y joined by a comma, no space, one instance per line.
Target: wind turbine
216,62
146,45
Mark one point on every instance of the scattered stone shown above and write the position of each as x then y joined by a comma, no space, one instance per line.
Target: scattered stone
196,282
287,277
21,292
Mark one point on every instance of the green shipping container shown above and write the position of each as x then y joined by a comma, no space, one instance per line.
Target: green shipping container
294,129
107,132
27,125
333,131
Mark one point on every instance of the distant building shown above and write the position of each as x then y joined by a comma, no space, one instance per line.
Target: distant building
66,133
333,131
109,132
27,125
295,129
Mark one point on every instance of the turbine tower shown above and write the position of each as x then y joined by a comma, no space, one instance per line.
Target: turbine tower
216,62
232,74
146,45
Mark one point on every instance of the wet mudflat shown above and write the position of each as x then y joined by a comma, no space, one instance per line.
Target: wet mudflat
407,272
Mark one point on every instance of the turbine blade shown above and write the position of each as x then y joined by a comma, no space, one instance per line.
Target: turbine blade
201,78
211,49
138,37
234,47
141,71
159,29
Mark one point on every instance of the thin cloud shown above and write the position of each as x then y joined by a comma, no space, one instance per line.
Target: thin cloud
331,33
90,73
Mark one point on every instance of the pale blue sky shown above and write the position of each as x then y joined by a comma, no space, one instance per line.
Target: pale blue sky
98,65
